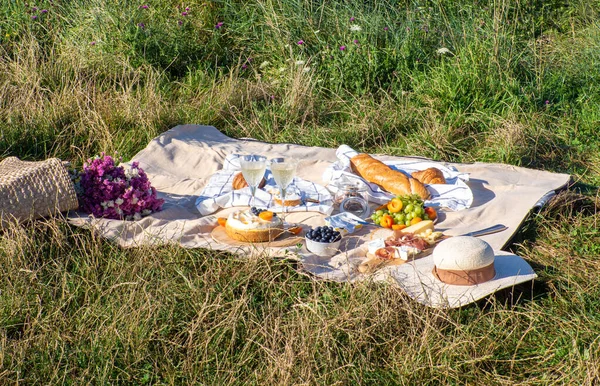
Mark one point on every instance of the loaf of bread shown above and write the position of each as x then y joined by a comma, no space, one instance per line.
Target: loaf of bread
390,180
430,176
239,182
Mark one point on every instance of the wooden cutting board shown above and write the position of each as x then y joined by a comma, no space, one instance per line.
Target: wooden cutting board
285,240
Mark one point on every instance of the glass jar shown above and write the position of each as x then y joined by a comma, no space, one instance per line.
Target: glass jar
356,205
352,196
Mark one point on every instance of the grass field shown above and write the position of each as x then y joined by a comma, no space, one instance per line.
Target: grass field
462,81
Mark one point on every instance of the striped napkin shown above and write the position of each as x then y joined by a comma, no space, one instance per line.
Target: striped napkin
219,192
454,195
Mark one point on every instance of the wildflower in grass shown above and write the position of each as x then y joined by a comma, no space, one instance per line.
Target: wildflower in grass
352,18
244,66
355,41
34,9
219,25
92,43
355,28
386,28
443,51
33,17
180,22
306,69
44,11
547,102
145,6
142,25
187,8
300,42
342,48
184,13
300,62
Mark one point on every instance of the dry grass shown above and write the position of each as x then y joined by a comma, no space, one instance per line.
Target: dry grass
76,309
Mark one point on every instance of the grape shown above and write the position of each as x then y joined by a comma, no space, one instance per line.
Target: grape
401,217
426,217
418,210
379,212
407,223
373,216
409,216
409,208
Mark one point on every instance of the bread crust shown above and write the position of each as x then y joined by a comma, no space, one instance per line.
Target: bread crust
387,178
430,176
239,182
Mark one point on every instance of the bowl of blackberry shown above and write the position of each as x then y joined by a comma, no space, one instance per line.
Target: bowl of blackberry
323,241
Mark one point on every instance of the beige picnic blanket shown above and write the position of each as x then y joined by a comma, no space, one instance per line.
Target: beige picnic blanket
180,161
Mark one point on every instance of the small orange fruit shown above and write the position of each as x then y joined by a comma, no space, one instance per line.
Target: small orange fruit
415,220
222,221
386,221
398,227
295,230
266,215
431,213
395,205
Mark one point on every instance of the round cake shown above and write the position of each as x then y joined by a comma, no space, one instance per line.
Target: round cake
292,197
249,226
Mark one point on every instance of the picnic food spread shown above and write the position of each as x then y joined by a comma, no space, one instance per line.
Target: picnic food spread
405,225
254,225
389,179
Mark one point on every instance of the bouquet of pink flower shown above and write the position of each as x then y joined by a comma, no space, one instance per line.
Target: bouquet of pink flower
113,191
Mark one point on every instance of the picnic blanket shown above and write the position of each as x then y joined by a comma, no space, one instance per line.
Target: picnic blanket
187,163
181,162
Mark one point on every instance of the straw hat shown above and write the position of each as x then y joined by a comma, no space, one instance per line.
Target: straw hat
460,271
463,260
29,190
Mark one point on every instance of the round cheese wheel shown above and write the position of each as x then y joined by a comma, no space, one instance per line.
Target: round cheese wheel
463,253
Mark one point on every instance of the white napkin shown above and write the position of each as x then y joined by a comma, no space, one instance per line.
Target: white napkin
455,194
219,193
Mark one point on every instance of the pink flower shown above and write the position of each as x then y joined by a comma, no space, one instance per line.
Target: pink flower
300,42
342,48
110,191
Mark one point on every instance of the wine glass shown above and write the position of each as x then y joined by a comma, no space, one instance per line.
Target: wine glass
283,170
253,170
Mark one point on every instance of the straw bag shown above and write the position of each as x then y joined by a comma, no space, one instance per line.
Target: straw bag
29,190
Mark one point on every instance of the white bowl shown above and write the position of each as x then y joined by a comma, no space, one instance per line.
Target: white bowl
323,249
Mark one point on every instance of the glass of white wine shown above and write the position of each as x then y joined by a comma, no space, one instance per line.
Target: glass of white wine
284,171
253,170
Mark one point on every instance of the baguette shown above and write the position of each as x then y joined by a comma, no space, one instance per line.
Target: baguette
391,180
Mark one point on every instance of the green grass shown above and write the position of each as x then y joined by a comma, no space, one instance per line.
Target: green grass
518,86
